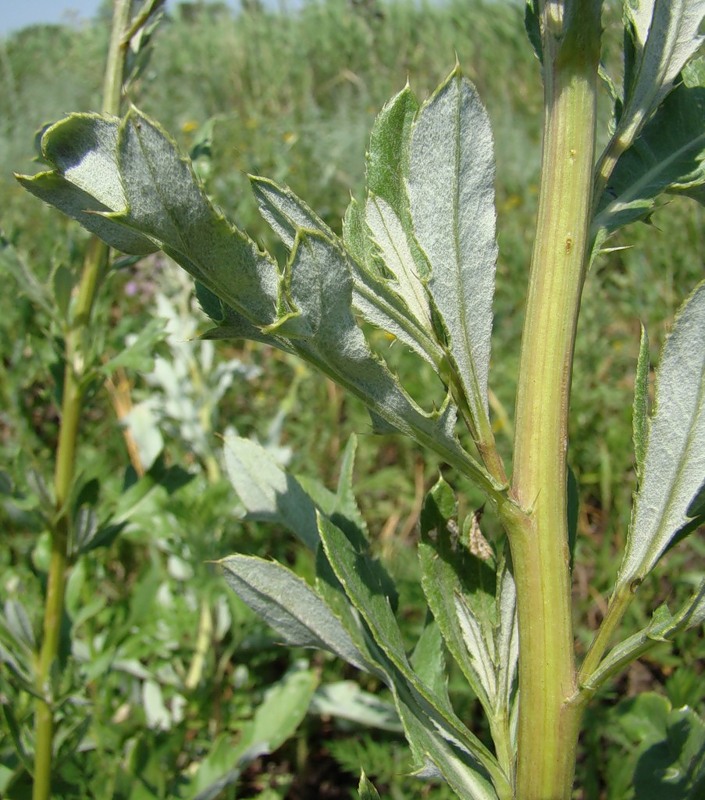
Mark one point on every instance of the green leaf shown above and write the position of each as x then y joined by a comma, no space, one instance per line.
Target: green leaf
290,606
27,281
283,709
506,641
365,790
126,182
345,504
365,583
277,718
63,281
663,627
138,354
394,249
85,182
454,600
451,195
429,663
346,700
674,462
328,336
375,298
666,747
640,415
442,758
387,156
668,156
666,37
674,768
267,491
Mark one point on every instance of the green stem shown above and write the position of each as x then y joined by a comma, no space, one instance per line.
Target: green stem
549,717
94,266
619,603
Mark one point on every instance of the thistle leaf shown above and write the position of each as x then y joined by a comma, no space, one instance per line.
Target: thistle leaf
320,290
388,154
268,492
364,583
668,156
382,303
394,249
640,415
673,470
666,37
129,176
451,195
290,606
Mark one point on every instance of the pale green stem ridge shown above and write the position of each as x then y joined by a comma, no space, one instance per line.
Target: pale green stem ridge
548,716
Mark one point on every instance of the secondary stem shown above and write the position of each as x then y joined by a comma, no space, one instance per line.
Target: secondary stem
94,266
548,716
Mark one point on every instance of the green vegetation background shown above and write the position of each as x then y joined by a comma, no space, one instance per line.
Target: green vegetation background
292,96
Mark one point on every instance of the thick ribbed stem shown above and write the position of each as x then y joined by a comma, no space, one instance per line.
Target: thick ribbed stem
549,718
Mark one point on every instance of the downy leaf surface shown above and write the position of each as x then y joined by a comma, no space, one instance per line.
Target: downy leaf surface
665,37
268,492
640,412
290,606
474,604
668,156
126,182
364,584
378,300
327,335
451,196
674,462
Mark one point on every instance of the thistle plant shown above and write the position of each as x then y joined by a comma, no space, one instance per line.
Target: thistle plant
416,260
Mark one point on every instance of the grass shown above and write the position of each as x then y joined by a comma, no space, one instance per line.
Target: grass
291,97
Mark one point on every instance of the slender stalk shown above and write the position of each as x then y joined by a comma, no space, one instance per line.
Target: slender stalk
549,718
619,603
94,265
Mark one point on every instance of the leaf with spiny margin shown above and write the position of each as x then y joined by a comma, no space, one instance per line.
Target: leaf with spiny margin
129,174
428,661
640,414
290,606
365,790
387,210
362,580
320,289
674,463
663,627
84,183
376,299
665,36
506,639
394,249
668,156
451,196
449,572
268,492
357,242
442,758
345,502
387,156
